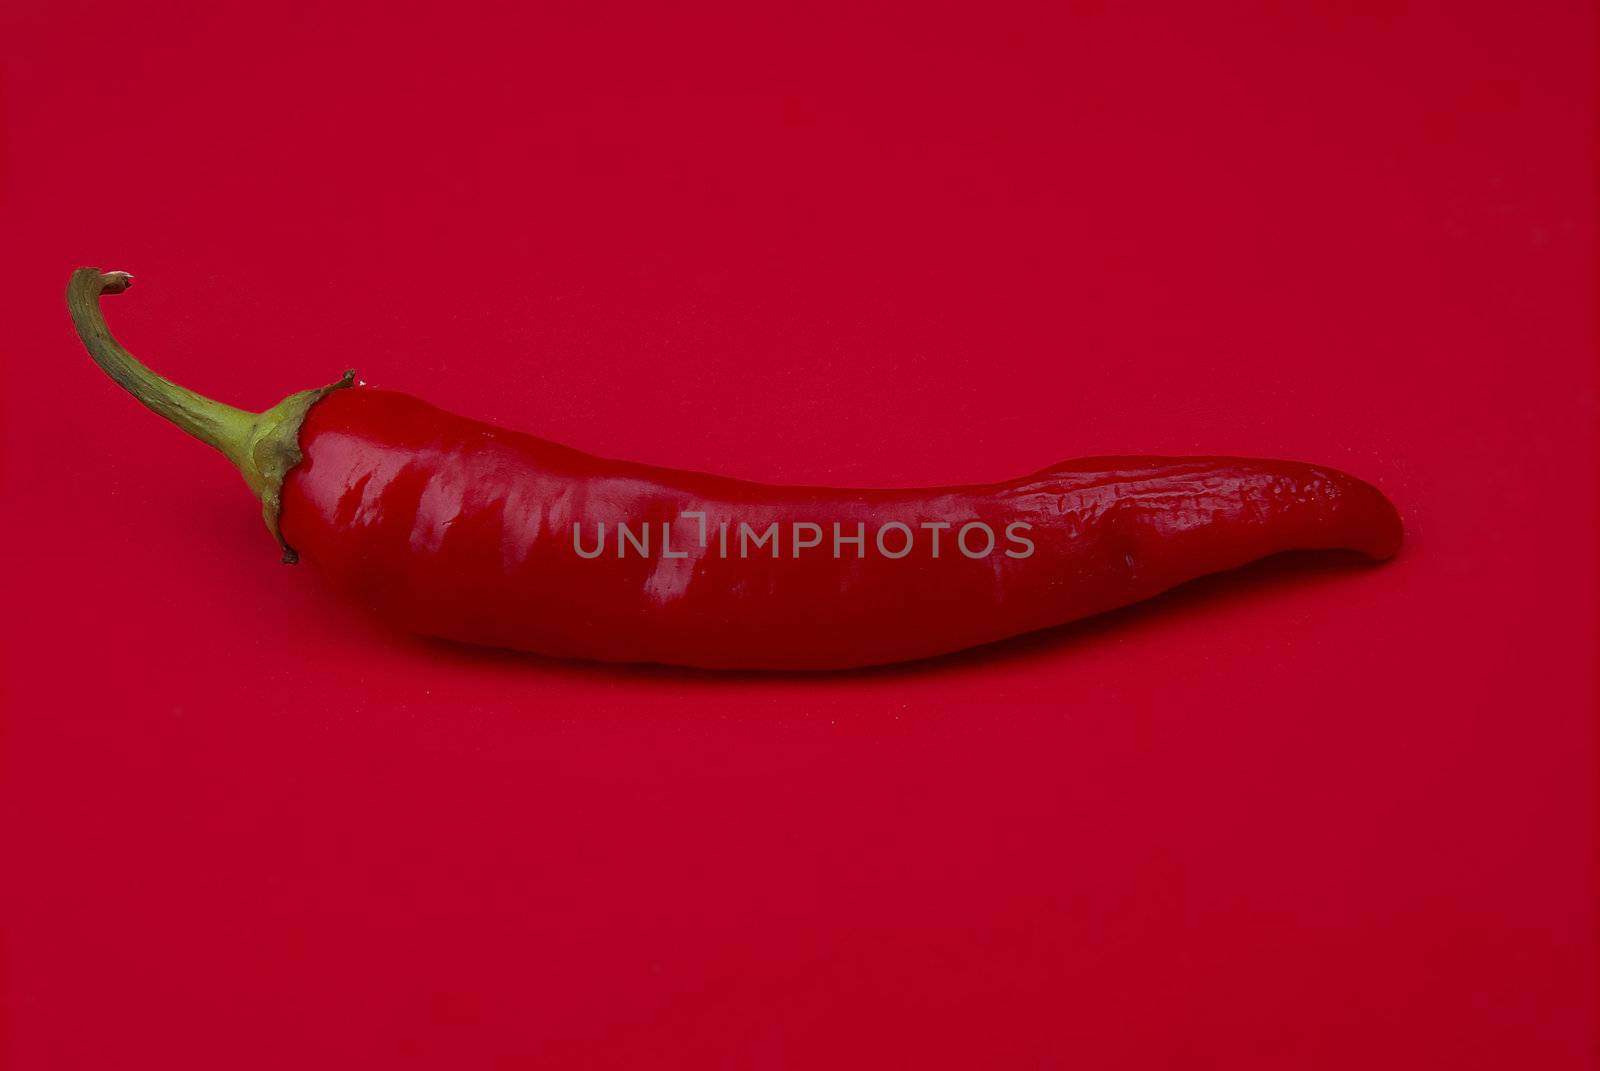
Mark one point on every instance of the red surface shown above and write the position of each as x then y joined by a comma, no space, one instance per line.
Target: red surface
1312,815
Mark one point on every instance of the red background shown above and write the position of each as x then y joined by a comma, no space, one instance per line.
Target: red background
1311,815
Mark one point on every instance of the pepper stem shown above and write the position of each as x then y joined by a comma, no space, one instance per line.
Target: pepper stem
263,446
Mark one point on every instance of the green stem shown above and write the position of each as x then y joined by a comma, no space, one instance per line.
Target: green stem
263,446
213,423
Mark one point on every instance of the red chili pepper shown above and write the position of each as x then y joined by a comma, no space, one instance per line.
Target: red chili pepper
455,528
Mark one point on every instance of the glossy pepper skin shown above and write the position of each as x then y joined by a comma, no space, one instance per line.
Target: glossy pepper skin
455,528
